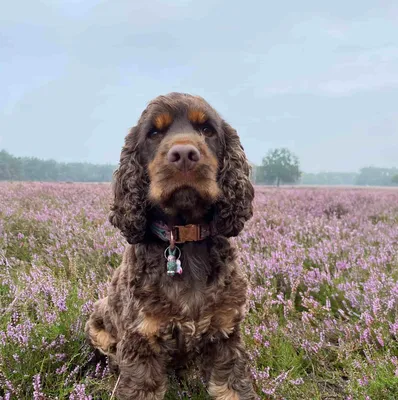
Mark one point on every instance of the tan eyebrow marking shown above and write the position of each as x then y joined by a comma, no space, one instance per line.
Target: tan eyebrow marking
197,116
163,121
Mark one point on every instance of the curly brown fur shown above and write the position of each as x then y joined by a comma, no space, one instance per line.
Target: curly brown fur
151,322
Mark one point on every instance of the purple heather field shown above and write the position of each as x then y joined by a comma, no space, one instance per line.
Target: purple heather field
323,302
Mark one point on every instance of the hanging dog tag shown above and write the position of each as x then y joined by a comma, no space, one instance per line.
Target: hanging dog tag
173,263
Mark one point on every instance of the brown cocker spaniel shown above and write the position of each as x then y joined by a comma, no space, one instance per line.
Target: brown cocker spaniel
181,190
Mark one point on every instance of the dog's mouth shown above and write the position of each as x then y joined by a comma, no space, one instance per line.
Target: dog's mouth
168,185
184,195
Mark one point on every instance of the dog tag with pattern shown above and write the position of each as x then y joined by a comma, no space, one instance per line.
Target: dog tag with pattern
173,264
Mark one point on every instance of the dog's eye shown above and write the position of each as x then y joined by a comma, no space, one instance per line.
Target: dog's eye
207,130
154,133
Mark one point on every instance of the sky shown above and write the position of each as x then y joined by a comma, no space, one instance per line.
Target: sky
320,78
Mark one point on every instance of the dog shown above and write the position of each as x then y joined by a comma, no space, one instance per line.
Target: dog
181,190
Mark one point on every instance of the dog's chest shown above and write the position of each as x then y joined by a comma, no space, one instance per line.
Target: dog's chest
183,313
203,315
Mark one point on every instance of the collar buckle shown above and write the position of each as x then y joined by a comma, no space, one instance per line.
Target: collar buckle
187,233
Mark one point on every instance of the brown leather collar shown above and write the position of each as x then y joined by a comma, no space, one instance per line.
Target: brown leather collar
182,233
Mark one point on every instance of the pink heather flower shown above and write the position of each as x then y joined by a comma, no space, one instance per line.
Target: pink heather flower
61,370
268,391
97,372
37,393
87,307
380,339
328,304
79,393
298,381
363,381
394,328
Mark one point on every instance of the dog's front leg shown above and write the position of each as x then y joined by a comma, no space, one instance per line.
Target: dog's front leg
142,369
229,374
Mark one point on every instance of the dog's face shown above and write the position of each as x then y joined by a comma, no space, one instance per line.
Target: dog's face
181,157
181,145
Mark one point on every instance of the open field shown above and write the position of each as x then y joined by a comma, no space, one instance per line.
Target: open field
323,320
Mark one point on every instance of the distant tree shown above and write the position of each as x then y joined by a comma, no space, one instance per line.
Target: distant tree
394,179
5,159
281,166
10,167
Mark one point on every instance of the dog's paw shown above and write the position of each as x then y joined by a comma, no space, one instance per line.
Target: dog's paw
101,340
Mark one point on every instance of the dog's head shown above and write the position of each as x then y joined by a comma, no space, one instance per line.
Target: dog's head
182,158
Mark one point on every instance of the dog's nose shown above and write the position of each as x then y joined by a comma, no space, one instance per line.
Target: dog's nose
183,156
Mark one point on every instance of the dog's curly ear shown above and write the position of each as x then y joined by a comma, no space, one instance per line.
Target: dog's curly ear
130,187
235,205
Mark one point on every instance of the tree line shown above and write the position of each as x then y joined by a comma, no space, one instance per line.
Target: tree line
368,176
33,169
279,166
